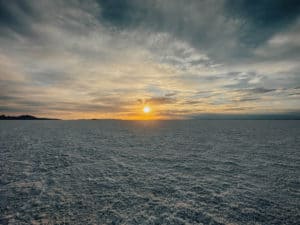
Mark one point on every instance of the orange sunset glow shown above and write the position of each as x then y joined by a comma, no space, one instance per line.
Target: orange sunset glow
109,64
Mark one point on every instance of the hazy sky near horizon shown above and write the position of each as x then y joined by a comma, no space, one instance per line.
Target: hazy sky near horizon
109,58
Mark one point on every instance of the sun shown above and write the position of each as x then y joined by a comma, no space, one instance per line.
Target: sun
146,109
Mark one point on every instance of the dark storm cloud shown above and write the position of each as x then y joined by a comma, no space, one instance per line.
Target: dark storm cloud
262,18
121,13
15,17
179,18
251,22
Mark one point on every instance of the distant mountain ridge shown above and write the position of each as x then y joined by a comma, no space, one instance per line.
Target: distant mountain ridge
23,117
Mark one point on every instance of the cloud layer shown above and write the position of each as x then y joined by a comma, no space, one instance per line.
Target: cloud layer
106,59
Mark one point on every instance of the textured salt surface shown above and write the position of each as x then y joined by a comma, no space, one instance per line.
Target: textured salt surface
184,172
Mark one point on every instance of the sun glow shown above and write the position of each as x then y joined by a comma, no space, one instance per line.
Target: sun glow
146,109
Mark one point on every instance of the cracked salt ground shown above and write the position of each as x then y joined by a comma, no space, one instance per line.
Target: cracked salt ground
167,172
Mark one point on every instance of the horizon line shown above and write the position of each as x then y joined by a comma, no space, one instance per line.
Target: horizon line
278,116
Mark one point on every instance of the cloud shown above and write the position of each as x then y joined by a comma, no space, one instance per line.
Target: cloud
160,100
247,99
260,90
262,17
96,58
14,17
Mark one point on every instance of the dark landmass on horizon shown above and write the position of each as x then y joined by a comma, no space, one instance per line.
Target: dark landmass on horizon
23,117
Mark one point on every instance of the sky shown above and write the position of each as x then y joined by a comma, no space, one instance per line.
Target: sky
183,58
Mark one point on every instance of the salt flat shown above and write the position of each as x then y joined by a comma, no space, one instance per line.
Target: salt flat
150,172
